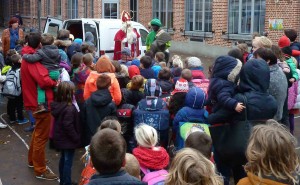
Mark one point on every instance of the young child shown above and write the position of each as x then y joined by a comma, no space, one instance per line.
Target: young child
191,167
159,57
126,57
244,49
67,130
15,103
272,157
76,62
108,149
134,95
146,70
98,106
147,153
165,81
49,56
187,75
201,142
195,65
132,166
110,123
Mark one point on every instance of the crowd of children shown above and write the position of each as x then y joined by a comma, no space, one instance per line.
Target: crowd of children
144,105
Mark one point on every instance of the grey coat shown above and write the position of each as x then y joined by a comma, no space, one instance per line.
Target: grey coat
278,88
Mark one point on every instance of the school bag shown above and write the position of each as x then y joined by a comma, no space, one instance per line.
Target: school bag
87,174
154,115
12,85
202,84
155,177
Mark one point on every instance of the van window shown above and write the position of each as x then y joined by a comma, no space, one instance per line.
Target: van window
144,34
91,28
53,29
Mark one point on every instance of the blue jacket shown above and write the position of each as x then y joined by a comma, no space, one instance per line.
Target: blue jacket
147,73
120,178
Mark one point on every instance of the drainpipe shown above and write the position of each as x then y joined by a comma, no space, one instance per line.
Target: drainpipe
39,15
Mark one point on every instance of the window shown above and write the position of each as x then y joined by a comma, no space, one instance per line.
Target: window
58,8
110,9
91,28
92,8
246,16
144,35
48,7
72,9
163,10
133,10
53,29
198,14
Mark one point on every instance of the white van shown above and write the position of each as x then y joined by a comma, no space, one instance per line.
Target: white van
104,31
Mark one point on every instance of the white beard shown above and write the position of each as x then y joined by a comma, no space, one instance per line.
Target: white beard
130,35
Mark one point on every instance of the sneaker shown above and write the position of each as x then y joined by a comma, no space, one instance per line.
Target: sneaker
29,129
24,121
2,125
47,175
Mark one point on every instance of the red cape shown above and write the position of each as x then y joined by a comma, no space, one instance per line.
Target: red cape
120,35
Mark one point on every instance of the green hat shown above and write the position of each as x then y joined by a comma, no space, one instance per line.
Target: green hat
156,22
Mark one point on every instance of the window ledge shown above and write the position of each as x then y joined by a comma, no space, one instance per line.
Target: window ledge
169,30
198,34
245,37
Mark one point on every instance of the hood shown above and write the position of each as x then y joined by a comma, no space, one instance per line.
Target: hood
133,70
104,65
50,50
101,98
284,41
28,50
166,86
255,76
195,98
74,48
89,37
227,68
57,108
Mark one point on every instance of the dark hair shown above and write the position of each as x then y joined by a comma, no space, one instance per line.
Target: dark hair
110,123
266,54
160,56
236,53
20,42
63,34
277,52
146,61
65,92
150,54
87,59
108,149
76,60
103,82
15,58
47,39
91,48
187,74
164,74
291,34
85,48
34,40
287,51
9,53
117,66
177,102
201,142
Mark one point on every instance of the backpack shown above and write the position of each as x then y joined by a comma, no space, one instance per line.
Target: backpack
154,178
202,84
12,84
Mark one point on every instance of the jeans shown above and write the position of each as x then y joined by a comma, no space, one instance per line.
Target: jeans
13,105
65,166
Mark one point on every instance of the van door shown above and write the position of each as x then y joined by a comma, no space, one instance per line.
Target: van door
90,26
144,34
53,25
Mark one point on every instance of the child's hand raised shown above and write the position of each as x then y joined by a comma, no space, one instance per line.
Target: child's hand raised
239,107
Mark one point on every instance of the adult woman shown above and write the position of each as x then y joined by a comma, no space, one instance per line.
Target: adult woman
11,35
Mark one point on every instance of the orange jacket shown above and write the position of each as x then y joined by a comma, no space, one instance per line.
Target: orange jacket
6,39
252,179
90,86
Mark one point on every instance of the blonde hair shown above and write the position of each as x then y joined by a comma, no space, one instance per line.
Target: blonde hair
146,136
271,152
190,167
124,70
243,47
177,62
263,42
132,166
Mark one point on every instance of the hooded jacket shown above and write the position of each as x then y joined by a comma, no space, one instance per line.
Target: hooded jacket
97,107
252,92
166,87
222,84
89,38
33,75
131,96
67,128
252,179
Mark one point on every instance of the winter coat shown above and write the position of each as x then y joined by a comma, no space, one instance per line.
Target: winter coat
34,75
252,179
89,38
197,73
90,86
278,88
131,96
252,93
166,87
48,56
147,73
120,178
293,68
67,128
97,107
297,103
123,80
6,39
79,79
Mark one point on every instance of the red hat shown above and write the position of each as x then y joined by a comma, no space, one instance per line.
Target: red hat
182,85
125,16
133,70
284,41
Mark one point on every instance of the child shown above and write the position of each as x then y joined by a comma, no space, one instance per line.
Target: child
272,157
201,142
159,57
76,62
147,153
19,45
110,123
236,53
67,129
108,149
15,103
164,80
126,57
134,95
187,75
244,49
195,65
98,106
50,58
146,70
132,166
191,167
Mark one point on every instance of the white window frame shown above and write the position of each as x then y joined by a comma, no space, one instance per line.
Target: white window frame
194,15
111,2
240,18
58,8
137,10
165,25
72,10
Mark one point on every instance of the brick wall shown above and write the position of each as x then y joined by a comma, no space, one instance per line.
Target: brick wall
178,20
145,12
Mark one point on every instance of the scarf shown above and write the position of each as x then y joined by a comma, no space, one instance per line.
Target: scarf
14,36
152,159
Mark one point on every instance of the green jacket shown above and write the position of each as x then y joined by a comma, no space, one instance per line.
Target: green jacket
293,68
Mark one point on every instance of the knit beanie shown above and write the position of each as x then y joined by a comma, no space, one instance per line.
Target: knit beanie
284,41
104,65
78,40
156,22
194,62
182,85
133,70
152,88
136,62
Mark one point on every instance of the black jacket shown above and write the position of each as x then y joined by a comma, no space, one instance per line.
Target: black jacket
131,96
166,87
97,107
120,178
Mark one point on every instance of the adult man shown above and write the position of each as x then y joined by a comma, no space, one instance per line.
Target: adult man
34,74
